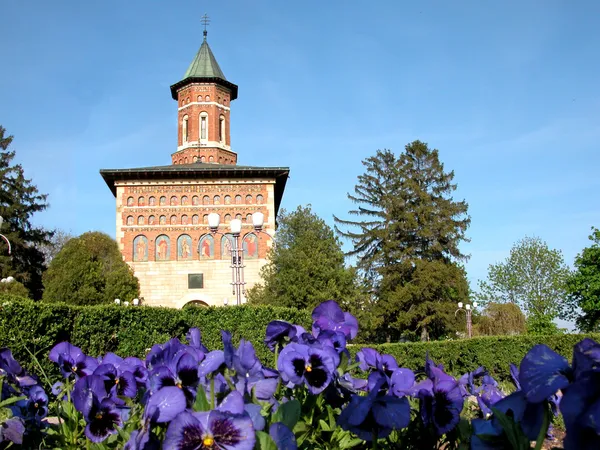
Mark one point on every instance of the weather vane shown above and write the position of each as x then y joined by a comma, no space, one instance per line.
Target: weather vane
205,20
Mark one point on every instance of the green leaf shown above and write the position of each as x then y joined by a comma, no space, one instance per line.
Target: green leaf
324,425
201,404
264,441
11,400
288,413
512,430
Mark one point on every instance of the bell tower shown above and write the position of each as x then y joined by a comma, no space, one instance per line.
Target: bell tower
203,99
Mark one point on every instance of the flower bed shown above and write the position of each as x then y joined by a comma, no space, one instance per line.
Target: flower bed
183,396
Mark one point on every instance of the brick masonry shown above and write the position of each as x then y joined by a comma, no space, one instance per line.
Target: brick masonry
178,210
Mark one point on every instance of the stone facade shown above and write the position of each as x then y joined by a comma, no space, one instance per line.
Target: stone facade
178,211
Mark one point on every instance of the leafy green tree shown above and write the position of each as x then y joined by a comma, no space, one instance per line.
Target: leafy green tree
55,244
533,276
407,226
583,286
89,270
13,288
19,201
306,266
501,319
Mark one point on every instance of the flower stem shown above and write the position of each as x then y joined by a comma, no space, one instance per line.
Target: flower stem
375,446
545,424
212,392
276,354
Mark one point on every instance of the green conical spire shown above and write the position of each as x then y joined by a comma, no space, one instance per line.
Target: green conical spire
204,68
204,64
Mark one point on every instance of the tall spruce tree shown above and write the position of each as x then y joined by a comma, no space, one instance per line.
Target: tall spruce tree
19,200
407,233
307,265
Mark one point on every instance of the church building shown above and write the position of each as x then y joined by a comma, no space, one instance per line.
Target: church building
163,212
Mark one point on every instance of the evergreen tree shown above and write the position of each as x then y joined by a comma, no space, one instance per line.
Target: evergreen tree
583,286
407,227
89,270
306,266
19,200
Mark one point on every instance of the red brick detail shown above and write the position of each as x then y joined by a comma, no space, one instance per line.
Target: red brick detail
204,98
190,201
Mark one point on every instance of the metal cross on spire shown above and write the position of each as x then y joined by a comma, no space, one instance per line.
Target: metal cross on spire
205,20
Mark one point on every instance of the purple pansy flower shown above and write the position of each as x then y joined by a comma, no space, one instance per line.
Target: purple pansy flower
402,382
213,363
369,358
181,372
527,415
100,412
117,382
37,403
278,332
71,360
161,407
334,339
441,400
542,373
12,430
312,366
375,415
580,404
163,354
329,316
283,437
13,370
137,367
228,427
194,338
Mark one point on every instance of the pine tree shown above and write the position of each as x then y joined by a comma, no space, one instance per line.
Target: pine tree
306,266
407,224
19,201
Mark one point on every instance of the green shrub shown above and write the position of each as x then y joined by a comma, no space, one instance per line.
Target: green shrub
495,353
27,326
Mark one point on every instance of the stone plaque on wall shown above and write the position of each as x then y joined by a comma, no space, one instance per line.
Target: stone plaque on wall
195,280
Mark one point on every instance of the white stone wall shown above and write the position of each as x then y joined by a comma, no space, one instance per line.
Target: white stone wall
166,283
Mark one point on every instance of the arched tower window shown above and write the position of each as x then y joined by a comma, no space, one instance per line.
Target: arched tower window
222,129
184,129
203,126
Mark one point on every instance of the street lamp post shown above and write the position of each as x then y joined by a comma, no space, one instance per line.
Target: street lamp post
237,251
258,220
4,237
468,311
237,255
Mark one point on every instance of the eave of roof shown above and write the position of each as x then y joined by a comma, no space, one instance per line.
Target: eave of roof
198,171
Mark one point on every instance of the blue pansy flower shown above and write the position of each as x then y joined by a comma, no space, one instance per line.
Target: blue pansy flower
329,316
100,411
441,400
375,415
161,407
300,364
542,373
227,427
72,361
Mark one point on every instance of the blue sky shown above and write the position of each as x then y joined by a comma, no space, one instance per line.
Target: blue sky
507,91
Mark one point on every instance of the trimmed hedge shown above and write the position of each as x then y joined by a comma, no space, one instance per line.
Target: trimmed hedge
495,353
27,326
